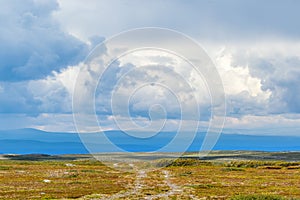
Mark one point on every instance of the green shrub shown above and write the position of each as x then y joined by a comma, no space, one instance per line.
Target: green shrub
257,197
202,186
232,169
4,168
260,163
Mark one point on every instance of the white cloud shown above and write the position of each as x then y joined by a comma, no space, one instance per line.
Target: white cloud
47,122
286,124
67,77
260,78
237,79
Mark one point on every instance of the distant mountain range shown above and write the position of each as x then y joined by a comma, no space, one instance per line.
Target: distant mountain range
28,141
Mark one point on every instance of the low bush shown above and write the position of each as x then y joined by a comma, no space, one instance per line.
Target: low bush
257,197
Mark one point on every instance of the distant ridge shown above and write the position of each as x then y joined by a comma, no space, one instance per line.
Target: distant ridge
29,141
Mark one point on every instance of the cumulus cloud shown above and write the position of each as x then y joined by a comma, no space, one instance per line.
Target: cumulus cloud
260,78
33,45
50,95
277,67
143,79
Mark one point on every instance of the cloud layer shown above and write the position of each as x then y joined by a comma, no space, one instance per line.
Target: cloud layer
229,20
255,46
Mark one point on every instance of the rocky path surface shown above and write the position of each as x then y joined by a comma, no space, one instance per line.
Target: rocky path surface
174,189
134,191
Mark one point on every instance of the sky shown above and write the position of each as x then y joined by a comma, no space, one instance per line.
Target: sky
254,45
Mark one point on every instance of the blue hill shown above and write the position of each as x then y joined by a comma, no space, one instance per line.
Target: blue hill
27,141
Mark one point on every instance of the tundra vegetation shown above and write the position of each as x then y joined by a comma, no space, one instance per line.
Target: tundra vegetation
220,175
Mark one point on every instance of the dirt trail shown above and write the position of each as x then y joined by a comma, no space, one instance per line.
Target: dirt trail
135,191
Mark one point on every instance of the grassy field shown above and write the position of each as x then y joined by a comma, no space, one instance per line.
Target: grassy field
220,175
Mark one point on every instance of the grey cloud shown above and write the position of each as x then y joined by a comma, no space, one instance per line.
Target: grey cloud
35,97
244,104
32,42
228,19
16,98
